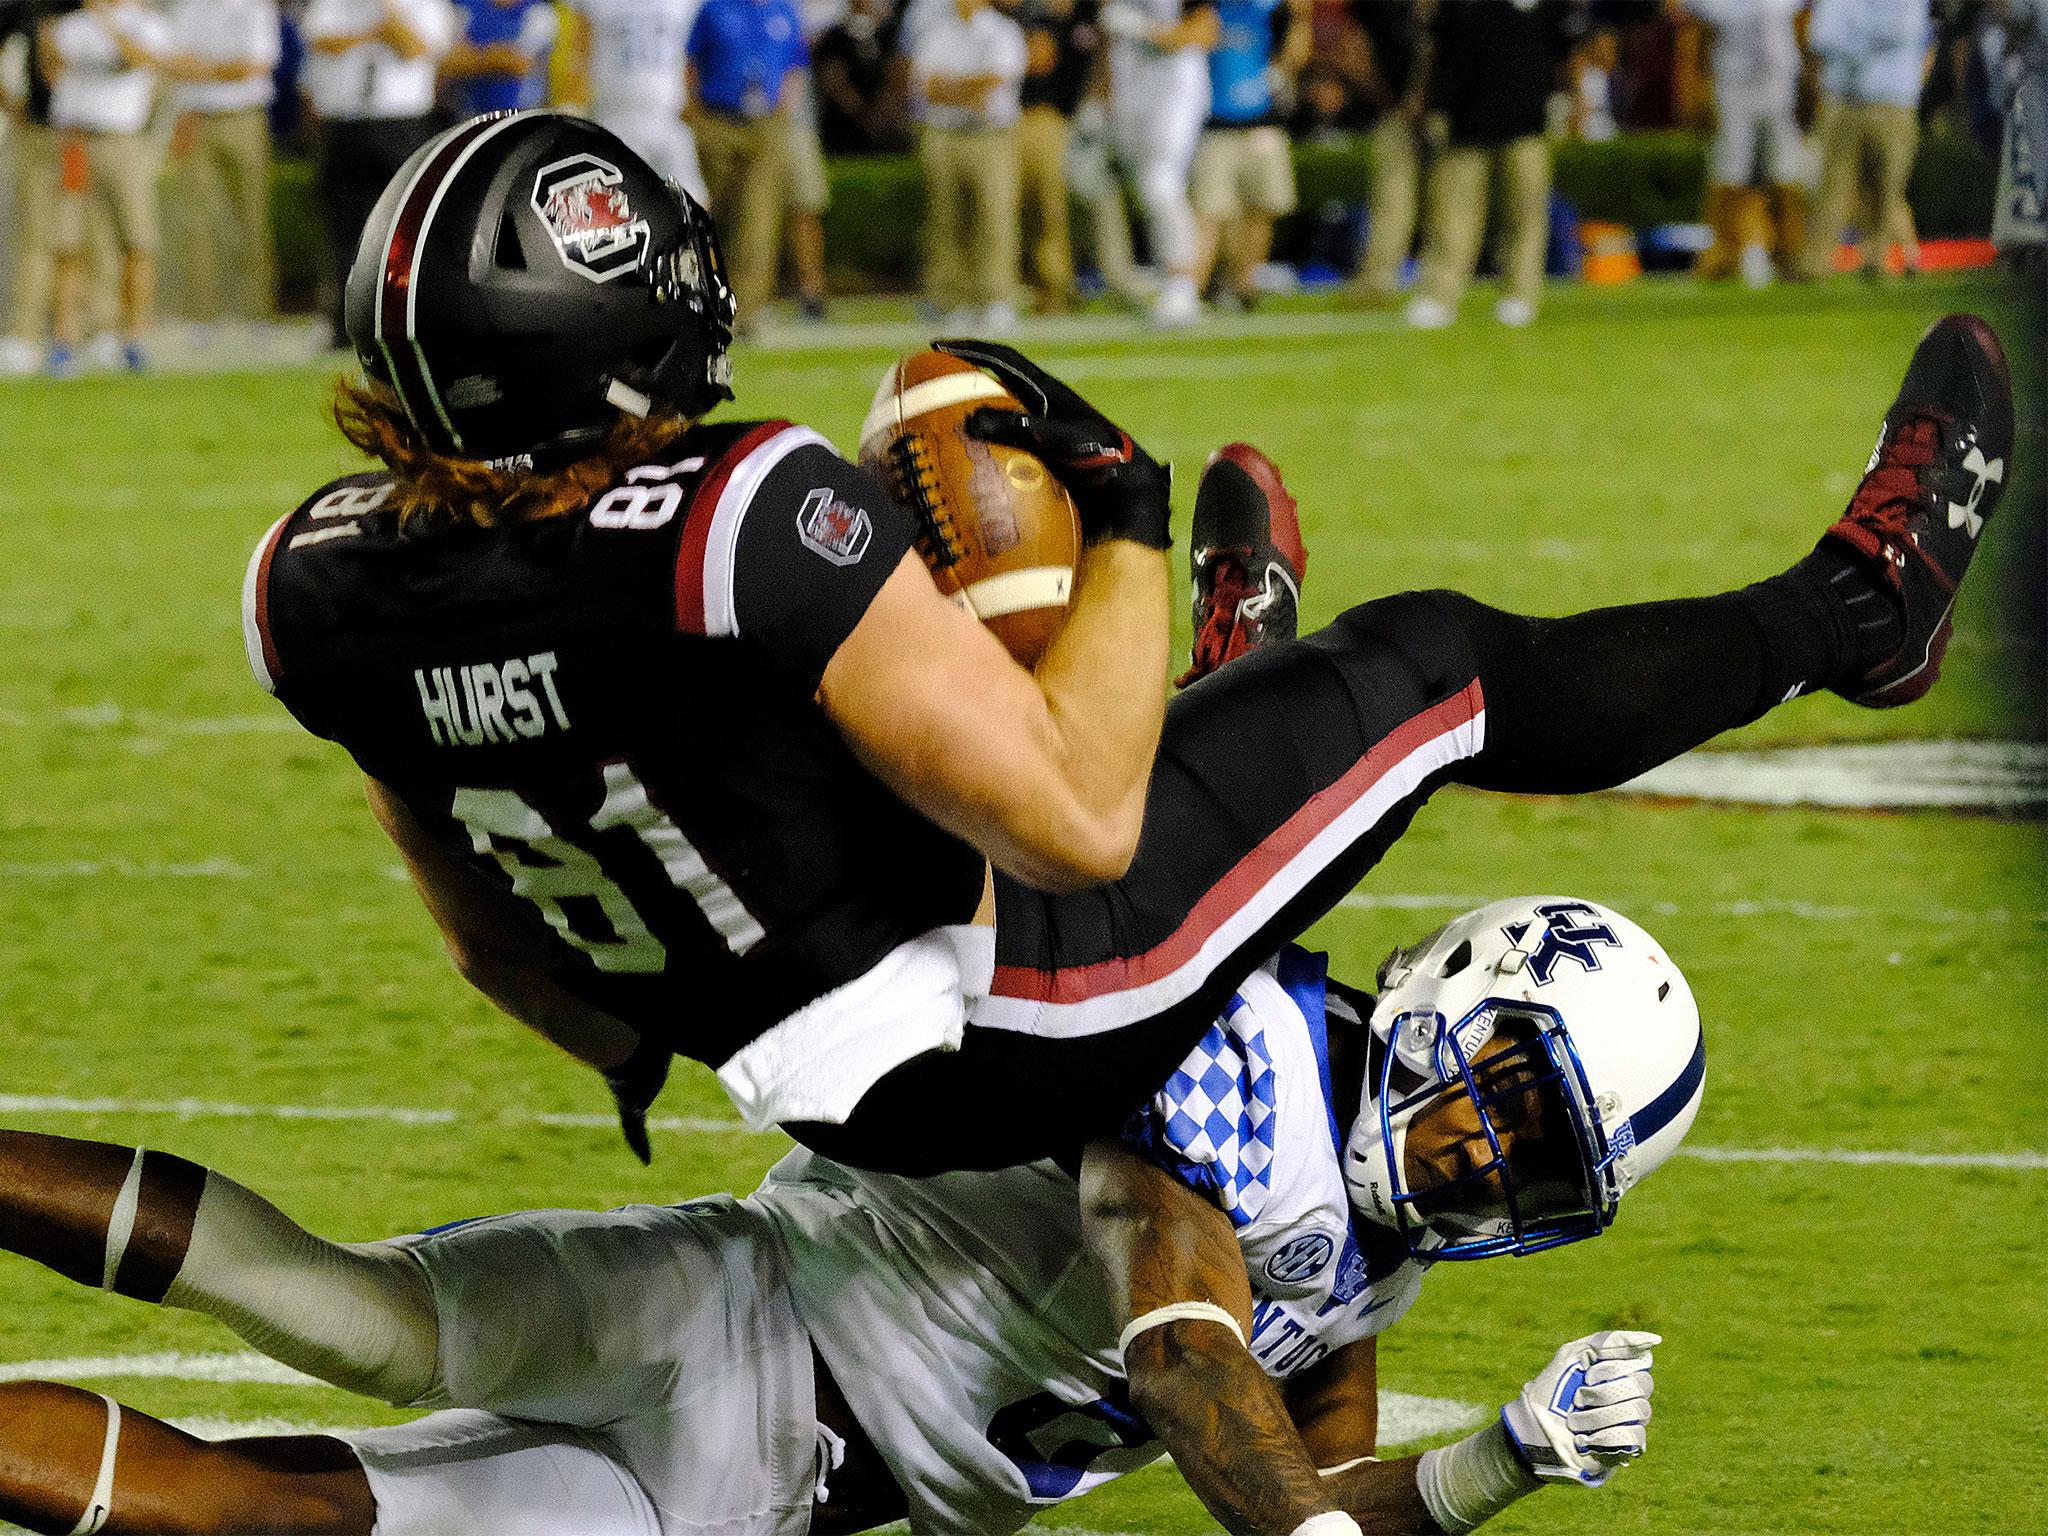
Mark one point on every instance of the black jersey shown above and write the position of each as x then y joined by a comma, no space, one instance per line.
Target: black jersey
612,715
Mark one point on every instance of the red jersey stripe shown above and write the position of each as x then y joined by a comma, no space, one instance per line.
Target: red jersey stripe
696,536
1250,875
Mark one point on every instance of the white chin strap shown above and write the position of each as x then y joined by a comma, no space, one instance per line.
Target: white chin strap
1368,1173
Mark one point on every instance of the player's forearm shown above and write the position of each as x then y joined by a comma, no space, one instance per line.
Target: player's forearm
1382,1496
1104,681
1227,1429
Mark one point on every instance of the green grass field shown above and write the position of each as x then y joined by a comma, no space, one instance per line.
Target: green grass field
196,904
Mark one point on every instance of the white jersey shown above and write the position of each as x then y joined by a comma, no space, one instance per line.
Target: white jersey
637,55
95,88
971,1332
1755,41
1174,79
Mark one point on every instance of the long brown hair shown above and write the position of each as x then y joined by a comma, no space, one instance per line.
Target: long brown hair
434,490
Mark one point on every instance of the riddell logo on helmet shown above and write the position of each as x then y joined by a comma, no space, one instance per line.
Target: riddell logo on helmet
589,217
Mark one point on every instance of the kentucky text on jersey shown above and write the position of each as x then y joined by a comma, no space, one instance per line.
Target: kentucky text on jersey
491,702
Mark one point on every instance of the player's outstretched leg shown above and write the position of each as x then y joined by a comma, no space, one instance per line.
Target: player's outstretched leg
1285,775
76,1461
1931,485
160,1229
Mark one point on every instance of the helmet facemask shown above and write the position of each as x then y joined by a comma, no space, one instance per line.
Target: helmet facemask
1492,1148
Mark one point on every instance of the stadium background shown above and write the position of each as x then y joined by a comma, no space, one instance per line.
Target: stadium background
209,948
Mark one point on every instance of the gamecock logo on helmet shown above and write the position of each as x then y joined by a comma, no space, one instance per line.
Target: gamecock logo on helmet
589,217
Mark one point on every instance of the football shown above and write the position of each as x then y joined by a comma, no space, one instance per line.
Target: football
998,531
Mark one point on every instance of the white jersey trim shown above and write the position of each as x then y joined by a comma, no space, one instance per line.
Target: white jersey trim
252,631
721,545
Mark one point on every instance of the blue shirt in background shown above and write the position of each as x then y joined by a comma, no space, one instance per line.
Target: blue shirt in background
490,21
1240,66
743,50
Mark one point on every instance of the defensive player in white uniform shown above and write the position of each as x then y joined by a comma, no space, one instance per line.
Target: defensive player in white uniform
843,1348
631,66
1158,100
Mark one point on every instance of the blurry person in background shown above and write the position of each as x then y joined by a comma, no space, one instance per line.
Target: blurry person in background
1102,234
1593,65
1874,56
967,74
227,58
1755,66
2019,225
29,194
369,80
1060,39
1244,168
627,68
1158,98
500,60
102,62
863,81
810,194
742,54
1399,41
1494,68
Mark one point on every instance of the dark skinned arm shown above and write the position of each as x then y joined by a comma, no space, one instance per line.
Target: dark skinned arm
1335,1405
1256,1459
1195,1383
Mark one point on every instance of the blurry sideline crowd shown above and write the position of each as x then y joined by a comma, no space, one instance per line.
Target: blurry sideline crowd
1042,127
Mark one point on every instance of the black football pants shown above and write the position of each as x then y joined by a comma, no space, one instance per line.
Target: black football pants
1281,780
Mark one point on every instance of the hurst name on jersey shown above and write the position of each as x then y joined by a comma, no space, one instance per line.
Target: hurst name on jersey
494,701
611,715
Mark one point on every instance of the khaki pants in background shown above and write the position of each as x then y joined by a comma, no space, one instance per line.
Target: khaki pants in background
1395,193
120,174
37,175
1866,158
223,186
970,215
1456,198
745,160
1042,194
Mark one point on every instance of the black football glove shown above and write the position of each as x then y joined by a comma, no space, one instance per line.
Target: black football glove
1119,490
636,1083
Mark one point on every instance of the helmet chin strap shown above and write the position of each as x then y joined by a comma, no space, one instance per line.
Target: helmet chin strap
1368,1171
628,399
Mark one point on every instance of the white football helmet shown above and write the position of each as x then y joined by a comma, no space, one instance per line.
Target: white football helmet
1601,1074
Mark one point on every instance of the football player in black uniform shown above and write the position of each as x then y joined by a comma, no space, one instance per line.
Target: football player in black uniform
687,755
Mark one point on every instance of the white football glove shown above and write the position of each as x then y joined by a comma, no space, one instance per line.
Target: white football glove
1589,1411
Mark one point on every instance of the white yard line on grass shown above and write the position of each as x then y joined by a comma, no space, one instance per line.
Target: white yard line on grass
1865,776
203,1109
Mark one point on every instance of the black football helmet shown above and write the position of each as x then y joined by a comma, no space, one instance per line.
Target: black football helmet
526,277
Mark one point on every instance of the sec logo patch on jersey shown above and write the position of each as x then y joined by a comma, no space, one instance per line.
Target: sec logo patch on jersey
1301,1259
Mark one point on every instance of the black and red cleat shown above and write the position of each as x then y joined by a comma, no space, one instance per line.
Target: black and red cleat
1941,460
1248,559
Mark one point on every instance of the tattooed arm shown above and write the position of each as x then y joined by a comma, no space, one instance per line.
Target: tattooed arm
1195,1383
1261,1462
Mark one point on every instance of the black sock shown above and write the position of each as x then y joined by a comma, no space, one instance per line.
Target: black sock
1824,622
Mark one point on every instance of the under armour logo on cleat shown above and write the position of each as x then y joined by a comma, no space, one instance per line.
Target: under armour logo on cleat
1987,472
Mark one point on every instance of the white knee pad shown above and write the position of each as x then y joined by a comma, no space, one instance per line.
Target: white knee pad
358,1315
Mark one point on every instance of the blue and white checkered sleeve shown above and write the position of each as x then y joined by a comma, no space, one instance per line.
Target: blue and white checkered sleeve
1212,1125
